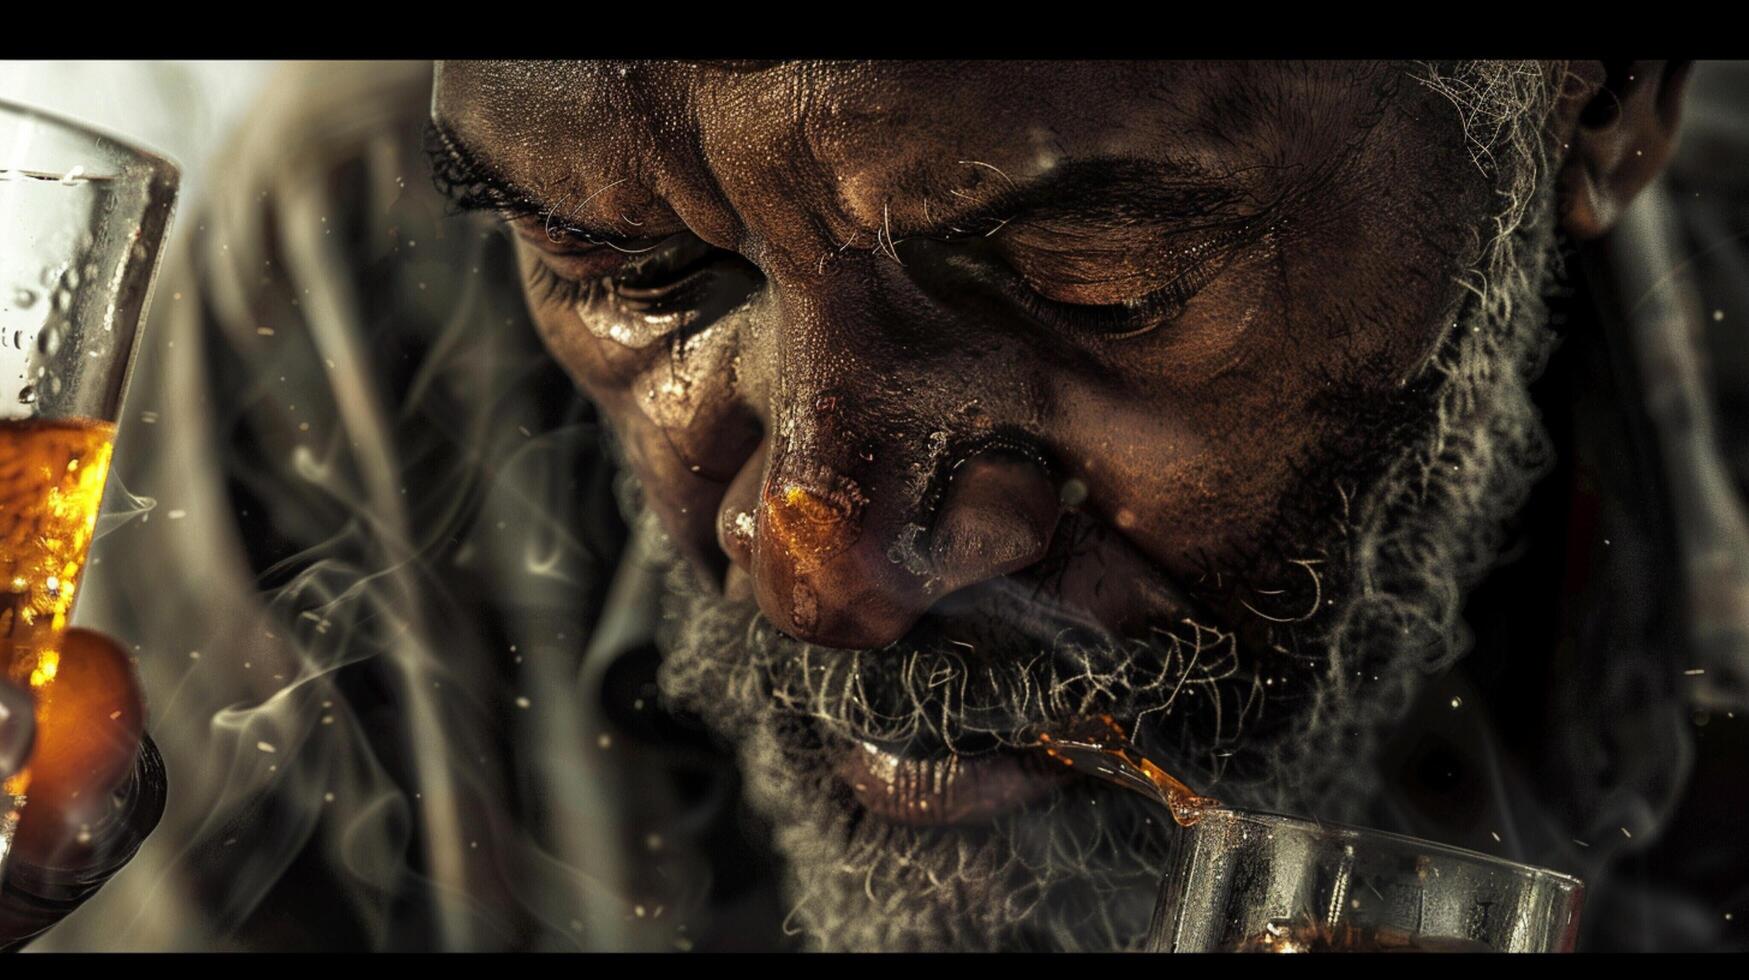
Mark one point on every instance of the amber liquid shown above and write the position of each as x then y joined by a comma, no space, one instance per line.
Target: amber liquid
51,484
1102,749
1307,936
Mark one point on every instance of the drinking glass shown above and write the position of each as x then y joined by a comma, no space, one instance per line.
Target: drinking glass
1245,881
83,219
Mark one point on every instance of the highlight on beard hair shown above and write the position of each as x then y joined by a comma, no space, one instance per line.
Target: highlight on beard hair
1415,541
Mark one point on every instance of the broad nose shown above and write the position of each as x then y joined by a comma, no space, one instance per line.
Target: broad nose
843,563
884,481
843,550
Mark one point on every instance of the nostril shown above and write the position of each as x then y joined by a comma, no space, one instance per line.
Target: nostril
997,517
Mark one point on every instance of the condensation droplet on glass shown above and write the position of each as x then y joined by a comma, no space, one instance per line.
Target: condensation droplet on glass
49,340
28,395
73,278
54,384
23,299
63,300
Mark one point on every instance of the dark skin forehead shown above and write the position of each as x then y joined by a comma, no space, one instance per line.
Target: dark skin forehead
788,161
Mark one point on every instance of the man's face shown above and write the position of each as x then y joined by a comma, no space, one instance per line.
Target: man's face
982,399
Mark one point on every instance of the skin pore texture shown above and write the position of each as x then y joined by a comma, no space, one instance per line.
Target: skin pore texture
966,402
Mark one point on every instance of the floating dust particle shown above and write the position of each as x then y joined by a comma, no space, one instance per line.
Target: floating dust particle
177,515
1694,671
266,746
327,719
653,841
149,418
683,944
523,703
1457,703
265,332
1495,835
604,740
1624,833
1580,842
638,910
1717,316
194,654
84,835
113,715
327,797
576,926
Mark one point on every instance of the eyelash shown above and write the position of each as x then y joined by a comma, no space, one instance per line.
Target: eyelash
550,287
1120,321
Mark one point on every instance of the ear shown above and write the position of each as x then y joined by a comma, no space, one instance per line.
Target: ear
1617,123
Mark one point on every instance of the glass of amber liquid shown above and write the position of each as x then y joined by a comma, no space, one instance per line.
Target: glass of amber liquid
83,217
1245,881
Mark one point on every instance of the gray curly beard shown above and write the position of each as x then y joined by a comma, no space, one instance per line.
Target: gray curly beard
1079,871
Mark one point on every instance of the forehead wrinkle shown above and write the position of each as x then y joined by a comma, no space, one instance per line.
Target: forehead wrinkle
595,143
758,144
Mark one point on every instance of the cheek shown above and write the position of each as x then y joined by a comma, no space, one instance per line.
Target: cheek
676,406
1264,395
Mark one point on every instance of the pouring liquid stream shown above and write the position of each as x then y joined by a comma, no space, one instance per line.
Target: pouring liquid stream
1102,749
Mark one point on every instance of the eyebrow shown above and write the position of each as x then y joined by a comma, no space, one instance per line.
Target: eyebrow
470,183
1095,191
1091,191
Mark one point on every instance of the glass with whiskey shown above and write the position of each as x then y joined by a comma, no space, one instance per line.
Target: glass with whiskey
1245,881
83,218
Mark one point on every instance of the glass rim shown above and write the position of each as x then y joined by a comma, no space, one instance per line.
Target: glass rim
161,164
1323,828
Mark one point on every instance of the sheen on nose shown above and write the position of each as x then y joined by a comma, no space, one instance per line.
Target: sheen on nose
840,565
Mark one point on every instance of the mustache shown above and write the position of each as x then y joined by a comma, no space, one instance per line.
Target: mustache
992,672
